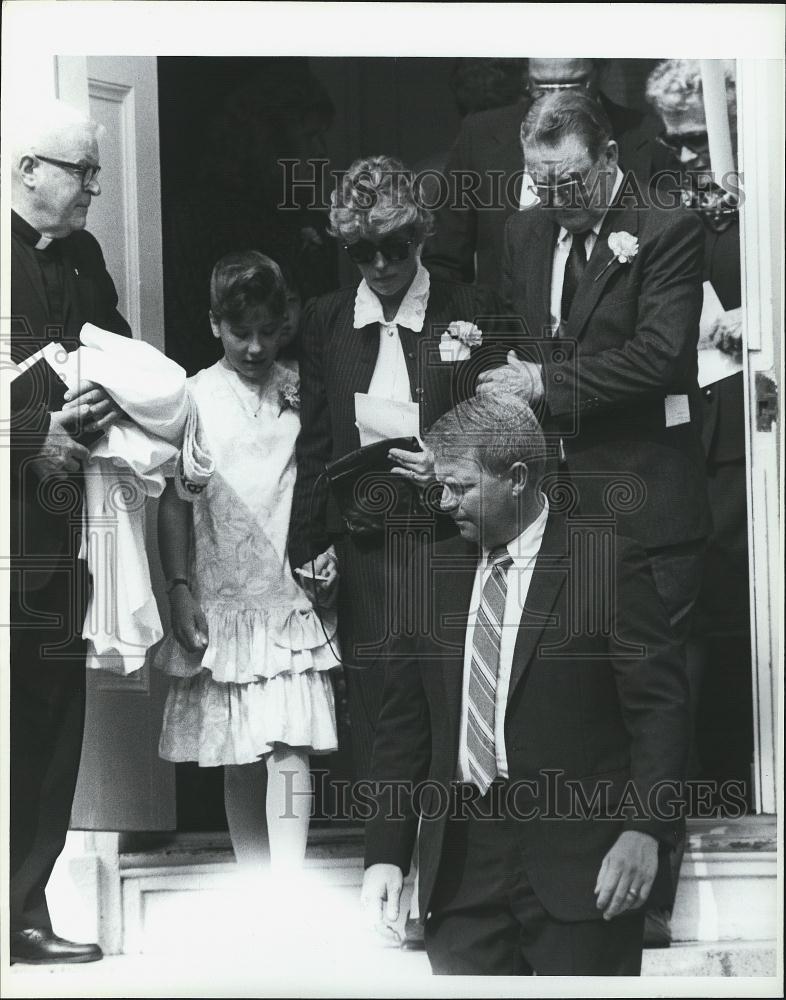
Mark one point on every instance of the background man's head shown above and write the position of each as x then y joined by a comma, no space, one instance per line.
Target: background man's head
54,151
569,152
489,456
674,89
547,76
481,84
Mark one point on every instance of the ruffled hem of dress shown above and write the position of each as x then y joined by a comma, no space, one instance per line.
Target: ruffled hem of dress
246,644
216,724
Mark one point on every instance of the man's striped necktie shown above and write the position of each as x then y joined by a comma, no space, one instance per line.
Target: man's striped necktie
486,639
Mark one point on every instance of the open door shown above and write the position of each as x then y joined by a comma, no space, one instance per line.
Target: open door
123,785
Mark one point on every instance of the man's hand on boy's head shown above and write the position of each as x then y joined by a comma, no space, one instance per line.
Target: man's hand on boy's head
517,377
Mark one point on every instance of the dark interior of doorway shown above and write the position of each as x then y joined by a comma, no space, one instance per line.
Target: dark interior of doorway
401,106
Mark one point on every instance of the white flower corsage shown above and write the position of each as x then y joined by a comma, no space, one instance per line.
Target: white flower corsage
289,397
458,340
624,247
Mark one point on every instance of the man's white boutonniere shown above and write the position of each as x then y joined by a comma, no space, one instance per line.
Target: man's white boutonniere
624,247
457,341
289,397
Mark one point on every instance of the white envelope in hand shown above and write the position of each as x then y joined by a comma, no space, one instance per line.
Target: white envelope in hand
379,419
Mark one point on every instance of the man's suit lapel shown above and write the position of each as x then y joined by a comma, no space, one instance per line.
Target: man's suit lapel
600,268
539,266
454,567
548,579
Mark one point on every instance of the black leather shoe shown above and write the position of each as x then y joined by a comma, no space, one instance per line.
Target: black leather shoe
38,946
657,928
413,935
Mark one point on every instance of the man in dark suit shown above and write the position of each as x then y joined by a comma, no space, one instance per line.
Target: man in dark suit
620,285
543,753
58,282
486,159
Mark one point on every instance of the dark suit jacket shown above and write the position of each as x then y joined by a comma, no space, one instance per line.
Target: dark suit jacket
723,605
593,707
488,148
43,519
339,361
630,342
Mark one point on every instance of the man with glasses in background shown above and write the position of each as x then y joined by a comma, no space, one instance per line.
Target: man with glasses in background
59,281
485,176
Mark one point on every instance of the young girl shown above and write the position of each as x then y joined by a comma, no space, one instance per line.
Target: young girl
248,657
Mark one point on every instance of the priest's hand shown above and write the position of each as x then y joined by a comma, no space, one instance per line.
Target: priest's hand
61,454
102,410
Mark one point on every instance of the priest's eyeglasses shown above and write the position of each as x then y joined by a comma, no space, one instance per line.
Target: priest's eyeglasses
87,171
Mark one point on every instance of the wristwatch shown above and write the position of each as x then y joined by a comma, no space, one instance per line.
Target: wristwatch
174,582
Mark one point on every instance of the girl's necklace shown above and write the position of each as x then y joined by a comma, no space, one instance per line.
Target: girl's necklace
231,378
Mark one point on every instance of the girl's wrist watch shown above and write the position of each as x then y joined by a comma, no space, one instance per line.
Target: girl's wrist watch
175,582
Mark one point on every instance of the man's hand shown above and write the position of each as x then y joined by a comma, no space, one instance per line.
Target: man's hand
726,333
325,566
60,454
627,873
381,893
188,620
101,409
517,377
415,465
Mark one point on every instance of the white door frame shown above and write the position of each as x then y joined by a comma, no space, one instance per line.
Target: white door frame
760,106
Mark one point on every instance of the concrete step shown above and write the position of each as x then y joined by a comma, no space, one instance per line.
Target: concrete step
720,958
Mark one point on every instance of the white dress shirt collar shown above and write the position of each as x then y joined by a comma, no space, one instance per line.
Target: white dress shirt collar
411,312
526,546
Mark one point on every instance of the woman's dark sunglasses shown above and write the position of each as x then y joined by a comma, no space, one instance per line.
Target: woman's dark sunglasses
364,251
696,142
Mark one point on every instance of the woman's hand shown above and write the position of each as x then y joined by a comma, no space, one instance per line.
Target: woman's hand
417,466
102,410
325,567
726,333
188,620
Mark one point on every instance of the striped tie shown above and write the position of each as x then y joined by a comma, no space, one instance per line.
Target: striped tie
483,672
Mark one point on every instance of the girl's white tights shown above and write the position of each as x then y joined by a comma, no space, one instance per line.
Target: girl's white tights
268,806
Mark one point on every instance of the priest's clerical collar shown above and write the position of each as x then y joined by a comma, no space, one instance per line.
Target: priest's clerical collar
28,233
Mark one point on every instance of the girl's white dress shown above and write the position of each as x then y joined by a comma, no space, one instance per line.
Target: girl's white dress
264,678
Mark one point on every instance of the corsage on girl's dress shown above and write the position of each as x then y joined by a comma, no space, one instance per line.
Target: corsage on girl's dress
264,677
